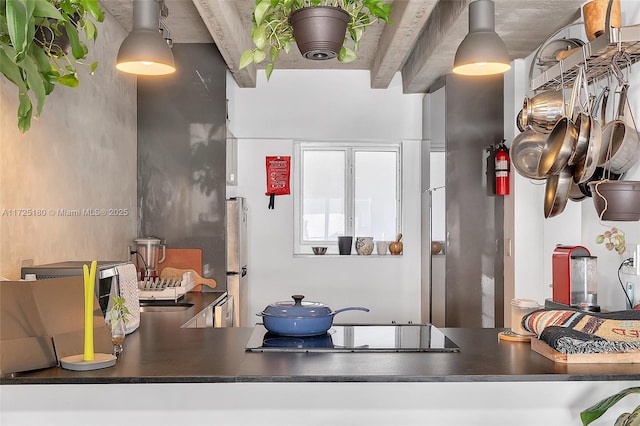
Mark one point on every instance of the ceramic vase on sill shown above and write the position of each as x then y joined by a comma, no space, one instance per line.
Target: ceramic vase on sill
364,245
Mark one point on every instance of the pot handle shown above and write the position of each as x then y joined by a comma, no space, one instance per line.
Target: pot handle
354,308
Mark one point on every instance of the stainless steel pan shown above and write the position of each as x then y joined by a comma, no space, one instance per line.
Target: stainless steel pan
561,141
623,143
556,192
586,166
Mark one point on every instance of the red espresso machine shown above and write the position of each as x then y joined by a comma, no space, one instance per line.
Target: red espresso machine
561,263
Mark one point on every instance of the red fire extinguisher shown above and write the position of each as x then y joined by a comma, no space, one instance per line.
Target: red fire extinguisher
502,169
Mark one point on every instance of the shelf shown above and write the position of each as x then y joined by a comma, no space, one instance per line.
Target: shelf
595,56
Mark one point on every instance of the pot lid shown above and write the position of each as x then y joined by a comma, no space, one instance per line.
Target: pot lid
297,308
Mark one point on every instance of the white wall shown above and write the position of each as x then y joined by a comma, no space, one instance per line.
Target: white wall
579,223
325,105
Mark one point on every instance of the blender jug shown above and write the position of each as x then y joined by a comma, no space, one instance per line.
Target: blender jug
148,249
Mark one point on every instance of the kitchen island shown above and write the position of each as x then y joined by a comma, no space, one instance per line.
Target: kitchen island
173,375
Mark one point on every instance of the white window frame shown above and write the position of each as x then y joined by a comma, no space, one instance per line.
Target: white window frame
304,247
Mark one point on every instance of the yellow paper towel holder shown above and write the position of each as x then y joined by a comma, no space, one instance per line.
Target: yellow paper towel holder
88,360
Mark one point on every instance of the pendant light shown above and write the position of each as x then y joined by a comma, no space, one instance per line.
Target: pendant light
145,51
482,52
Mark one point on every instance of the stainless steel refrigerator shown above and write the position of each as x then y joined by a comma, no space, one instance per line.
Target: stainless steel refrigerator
237,258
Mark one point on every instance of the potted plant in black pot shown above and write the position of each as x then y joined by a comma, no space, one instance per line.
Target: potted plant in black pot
40,44
322,29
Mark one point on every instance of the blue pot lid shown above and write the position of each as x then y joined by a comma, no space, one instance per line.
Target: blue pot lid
297,308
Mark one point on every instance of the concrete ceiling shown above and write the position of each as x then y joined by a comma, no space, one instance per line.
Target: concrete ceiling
421,43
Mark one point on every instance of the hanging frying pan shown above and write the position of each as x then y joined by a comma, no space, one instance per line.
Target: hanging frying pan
556,192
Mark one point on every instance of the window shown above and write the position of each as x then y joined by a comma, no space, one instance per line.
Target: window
345,189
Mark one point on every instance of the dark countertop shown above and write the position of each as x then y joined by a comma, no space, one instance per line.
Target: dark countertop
162,352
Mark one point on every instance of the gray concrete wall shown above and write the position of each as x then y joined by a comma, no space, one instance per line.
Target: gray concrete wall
81,154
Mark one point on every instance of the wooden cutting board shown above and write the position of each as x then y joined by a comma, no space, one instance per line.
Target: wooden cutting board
183,258
630,357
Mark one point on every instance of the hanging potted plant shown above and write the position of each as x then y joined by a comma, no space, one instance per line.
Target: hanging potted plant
40,45
322,29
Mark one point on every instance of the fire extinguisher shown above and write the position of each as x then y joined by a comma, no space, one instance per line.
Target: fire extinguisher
502,169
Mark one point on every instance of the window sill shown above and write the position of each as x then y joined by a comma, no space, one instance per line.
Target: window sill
334,255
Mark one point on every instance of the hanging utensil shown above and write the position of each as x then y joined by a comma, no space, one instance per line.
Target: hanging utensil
561,141
556,192
586,166
623,141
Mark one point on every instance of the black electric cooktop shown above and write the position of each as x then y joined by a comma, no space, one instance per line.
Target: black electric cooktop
356,338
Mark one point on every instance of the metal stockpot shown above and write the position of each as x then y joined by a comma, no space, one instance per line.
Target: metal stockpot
543,111
300,318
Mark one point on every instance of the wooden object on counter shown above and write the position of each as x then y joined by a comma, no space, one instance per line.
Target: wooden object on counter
182,258
170,272
629,357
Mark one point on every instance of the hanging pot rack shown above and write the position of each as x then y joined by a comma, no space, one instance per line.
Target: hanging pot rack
595,57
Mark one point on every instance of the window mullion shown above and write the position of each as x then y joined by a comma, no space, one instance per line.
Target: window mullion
349,201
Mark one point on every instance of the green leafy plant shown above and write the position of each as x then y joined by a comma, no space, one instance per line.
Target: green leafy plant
626,419
31,55
613,239
272,33
119,310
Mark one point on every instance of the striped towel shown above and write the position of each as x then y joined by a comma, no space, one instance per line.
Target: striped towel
573,331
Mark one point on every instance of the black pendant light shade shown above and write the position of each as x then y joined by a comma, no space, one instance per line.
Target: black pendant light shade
482,52
144,51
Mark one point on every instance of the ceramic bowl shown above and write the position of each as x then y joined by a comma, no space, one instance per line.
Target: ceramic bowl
319,250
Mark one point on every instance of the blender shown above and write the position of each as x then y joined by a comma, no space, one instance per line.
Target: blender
148,250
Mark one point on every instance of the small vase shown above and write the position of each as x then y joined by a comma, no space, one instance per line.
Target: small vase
364,245
344,245
118,332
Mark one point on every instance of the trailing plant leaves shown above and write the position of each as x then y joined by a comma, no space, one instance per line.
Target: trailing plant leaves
9,68
90,30
259,55
19,19
93,7
46,9
347,55
70,80
34,82
24,112
93,66
274,54
269,70
246,58
49,75
595,411
260,37
260,11
78,49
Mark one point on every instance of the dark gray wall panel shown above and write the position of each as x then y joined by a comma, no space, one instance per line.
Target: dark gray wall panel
181,155
474,121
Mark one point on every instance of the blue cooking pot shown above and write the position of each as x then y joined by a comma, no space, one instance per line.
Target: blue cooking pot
300,318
